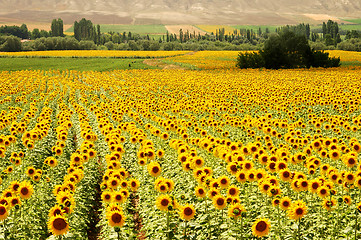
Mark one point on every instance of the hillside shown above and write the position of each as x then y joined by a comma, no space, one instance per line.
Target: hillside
179,11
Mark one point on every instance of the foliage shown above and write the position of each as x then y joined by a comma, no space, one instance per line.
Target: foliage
20,32
10,44
353,44
286,50
57,28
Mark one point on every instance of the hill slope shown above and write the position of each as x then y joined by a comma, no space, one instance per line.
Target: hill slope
179,11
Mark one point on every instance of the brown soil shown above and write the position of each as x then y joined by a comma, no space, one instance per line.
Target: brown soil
136,218
162,65
174,29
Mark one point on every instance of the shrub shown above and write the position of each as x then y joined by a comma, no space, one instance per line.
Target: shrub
286,50
10,44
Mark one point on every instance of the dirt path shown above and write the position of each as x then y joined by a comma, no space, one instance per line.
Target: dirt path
162,65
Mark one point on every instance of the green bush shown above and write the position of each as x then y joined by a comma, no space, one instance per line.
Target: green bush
286,50
10,44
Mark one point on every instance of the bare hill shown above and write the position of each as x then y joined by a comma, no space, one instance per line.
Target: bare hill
179,11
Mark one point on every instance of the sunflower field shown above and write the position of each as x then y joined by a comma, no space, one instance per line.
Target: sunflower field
213,153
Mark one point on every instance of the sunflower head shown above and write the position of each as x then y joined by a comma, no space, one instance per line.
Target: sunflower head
261,227
58,225
187,212
25,190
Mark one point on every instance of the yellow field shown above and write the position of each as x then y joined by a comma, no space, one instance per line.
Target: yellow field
213,153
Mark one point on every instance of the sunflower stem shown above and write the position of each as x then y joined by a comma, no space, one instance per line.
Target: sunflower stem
118,235
298,230
356,226
279,222
241,228
185,230
168,236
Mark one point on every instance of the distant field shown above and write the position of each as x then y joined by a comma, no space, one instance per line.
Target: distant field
140,29
80,64
174,29
355,20
349,27
271,28
213,28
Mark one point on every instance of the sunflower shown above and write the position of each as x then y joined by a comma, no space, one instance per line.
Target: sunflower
350,161
187,212
134,184
358,182
224,181
52,162
303,185
162,187
107,197
119,197
56,210
261,227
116,218
335,154
124,184
58,225
235,211
3,212
276,201
349,177
160,153
25,190
297,210
219,202
30,171
232,168
14,201
241,176
200,192
233,191
264,186
197,162
347,200
313,185
323,192
285,203
213,192
329,204
163,201
285,175
154,169
14,186
113,182
214,184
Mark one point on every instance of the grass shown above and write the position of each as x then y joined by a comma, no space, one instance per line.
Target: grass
349,27
80,64
355,20
349,64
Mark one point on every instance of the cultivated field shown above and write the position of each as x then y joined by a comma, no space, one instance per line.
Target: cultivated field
210,153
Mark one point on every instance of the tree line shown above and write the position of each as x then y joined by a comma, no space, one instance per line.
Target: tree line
328,36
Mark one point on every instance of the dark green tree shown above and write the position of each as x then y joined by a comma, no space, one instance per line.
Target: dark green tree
286,50
57,28
84,30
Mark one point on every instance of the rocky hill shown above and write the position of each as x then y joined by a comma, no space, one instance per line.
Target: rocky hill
179,11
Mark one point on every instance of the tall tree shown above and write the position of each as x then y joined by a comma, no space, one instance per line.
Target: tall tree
57,28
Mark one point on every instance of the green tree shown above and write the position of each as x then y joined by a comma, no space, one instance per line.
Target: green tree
286,50
84,30
10,44
57,28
